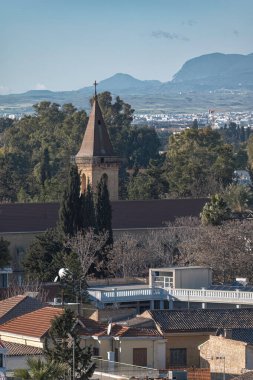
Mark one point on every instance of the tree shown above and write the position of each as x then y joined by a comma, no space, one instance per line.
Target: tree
5,257
104,210
62,340
69,214
238,197
45,169
86,246
42,260
87,214
41,370
150,184
215,211
54,128
128,258
195,158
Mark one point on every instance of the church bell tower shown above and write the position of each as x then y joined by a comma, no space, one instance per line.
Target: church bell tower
96,158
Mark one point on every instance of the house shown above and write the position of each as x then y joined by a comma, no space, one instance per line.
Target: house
144,347
226,356
186,330
3,352
25,335
18,305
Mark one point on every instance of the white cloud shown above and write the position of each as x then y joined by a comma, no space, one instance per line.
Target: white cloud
168,35
40,86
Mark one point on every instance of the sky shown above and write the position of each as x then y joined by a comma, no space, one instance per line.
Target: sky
67,44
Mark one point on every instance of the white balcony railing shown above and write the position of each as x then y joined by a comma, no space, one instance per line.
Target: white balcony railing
128,295
133,294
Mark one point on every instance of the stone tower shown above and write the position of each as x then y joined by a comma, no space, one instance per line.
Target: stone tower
96,158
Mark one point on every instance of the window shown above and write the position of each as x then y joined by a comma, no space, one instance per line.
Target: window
178,357
1,360
95,351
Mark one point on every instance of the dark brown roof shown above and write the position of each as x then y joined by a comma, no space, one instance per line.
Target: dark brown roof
36,217
17,349
201,319
96,141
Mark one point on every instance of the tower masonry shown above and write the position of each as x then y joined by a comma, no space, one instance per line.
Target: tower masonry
96,158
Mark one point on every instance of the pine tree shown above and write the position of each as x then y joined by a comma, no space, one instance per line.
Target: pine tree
69,214
5,257
104,210
63,339
87,215
215,211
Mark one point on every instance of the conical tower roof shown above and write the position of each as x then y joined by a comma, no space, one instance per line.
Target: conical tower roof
96,141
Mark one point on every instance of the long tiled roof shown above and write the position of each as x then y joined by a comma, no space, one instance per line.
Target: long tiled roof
126,331
35,217
201,319
34,324
16,349
9,303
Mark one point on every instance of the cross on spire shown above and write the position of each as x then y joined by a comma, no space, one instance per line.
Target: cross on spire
95,85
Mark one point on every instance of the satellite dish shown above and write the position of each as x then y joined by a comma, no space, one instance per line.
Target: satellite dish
63,272
109,328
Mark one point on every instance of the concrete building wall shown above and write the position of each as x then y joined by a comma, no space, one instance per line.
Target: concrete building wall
156,351
29,341
193,278
189,341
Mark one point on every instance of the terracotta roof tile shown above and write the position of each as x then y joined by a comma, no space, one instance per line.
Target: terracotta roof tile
34,324
16,349
9,303
126,331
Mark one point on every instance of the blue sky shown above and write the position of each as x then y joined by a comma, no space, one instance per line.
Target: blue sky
67,44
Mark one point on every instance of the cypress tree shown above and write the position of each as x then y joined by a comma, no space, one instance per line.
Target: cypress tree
45,169
104,210
87,215
69,214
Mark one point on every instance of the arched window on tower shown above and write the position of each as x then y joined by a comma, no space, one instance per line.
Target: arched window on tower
83,183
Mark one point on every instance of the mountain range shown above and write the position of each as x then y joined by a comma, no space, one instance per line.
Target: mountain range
211,80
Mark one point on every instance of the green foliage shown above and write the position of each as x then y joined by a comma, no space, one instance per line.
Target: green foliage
87,215
69,214
63,334
215,211
136,144
5,257
198,162
238,197
22,374
42,260
38,149
234,134
104,210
